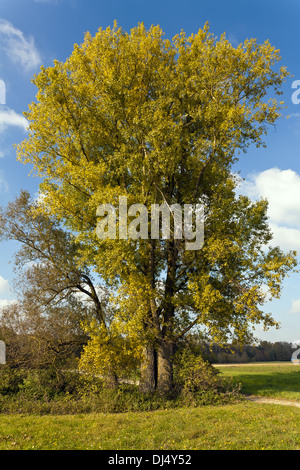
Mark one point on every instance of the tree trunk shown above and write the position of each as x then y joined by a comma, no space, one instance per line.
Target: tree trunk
165,367
111,380
165,348
148,380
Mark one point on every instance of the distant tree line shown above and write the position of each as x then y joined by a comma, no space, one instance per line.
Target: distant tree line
265,351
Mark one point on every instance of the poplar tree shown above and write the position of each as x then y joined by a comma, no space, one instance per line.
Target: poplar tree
163,121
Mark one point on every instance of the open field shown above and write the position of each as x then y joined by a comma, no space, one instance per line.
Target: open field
243,426
275,380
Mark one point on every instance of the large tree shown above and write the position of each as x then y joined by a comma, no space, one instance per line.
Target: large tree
162,121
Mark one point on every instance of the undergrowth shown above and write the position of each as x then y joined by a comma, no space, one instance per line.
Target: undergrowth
67,392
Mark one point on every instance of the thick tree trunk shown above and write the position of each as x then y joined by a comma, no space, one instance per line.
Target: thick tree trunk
165,348
157,363
111,380
148,380
165,367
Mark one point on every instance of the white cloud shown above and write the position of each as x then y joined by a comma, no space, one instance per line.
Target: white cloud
8,117
18,48
285,237
295,306
4,286
5,292
6,302
282,190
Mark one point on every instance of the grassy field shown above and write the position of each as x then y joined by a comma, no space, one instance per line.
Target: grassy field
274,380
241,426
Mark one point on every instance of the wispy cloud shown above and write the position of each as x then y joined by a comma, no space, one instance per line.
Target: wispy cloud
3,182
233,39
4,285
295,306
8,117
45,1
72,3
18,48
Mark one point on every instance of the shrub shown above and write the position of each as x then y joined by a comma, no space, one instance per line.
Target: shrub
199,382
52,391
10,380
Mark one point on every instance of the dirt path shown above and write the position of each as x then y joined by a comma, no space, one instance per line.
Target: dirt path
273,401
253,364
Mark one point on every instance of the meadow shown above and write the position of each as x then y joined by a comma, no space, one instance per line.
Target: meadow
238,426
274,380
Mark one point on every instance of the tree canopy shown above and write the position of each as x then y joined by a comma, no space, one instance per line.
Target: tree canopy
162,121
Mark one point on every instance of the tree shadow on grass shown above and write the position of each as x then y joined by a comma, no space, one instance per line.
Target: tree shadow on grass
270,384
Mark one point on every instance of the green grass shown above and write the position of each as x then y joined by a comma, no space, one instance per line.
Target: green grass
240,426
280,380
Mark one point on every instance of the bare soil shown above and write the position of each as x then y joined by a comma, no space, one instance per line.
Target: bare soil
274,401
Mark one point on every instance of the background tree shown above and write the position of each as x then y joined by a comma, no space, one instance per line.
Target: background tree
35,340
48,258
57,293
160,121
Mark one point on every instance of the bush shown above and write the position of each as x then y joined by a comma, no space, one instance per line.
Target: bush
51,383
199,382
11,380
47,391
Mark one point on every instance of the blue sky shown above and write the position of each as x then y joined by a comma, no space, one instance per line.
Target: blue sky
35,32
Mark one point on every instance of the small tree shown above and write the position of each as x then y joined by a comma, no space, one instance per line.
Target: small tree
56,290
36,339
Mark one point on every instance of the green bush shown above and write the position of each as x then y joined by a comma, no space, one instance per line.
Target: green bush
199,383
11,380
47,391
51,383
